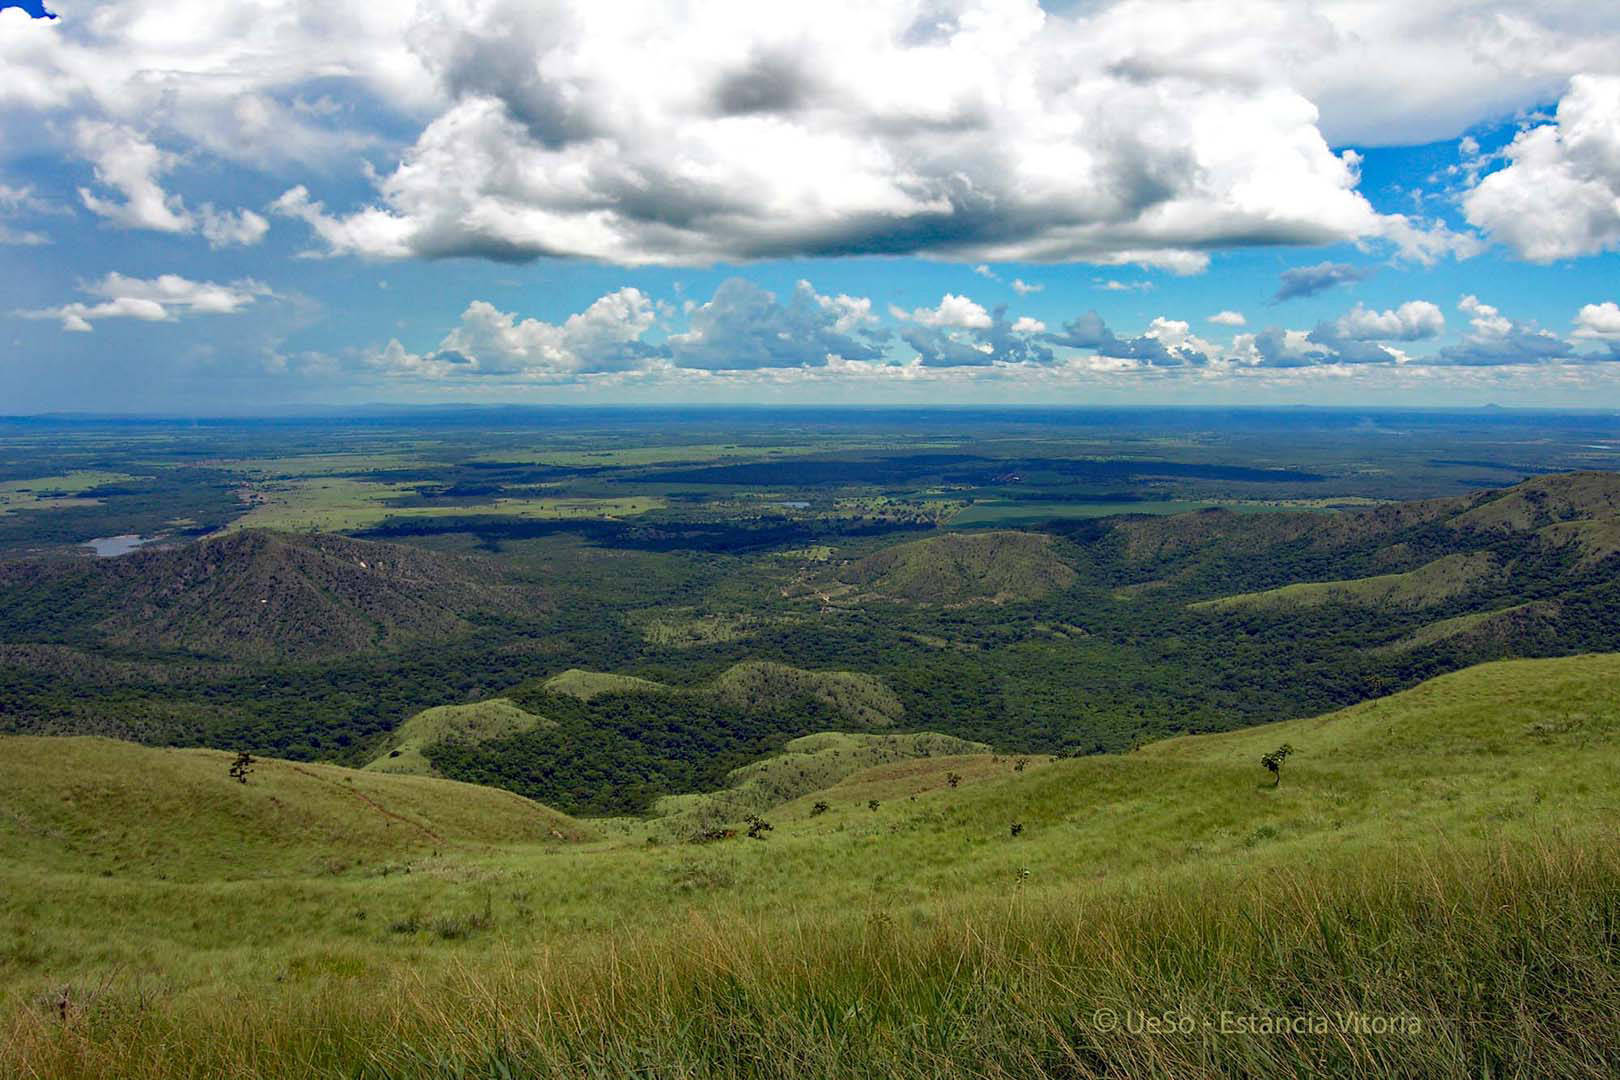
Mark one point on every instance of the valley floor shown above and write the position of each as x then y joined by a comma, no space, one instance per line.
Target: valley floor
1443,860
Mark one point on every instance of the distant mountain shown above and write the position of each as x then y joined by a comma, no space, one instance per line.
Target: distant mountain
265,595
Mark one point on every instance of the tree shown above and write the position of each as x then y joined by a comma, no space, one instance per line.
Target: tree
1273,762
241,767
952,779
820,808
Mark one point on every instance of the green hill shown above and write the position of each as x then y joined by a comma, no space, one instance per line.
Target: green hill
756,684
963,568
753,686
259,595
585,685
101,807
1426,586
1546,500
1509,626
474,723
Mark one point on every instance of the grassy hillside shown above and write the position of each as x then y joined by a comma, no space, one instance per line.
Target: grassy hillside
1534,504
1404,865
477,722
861,699
100,808
1509,626
1426,586
585,685
806,766
962,568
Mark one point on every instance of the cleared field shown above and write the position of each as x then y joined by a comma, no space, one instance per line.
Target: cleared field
57,492
336,504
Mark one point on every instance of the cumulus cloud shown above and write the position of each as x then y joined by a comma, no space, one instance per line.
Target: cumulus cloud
1302,281
741,328
1412,321
161,299
132,166
996,340
606,336
1496,340
958,312
745,327
1228,318
1167,343
1559,196
231,228
701,134
1599,321
1143,133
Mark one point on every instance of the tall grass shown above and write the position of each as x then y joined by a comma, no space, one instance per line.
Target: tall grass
1508,957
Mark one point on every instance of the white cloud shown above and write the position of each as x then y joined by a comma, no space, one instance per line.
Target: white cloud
1228,318
1559,196
1147,132
1599,321
986,130
131,165
1026,325
161,299
1412,321
1024,288
605,336
228,228
953,311
1495,340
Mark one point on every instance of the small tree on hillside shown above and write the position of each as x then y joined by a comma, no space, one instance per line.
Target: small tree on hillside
952,779
1273,762
241,767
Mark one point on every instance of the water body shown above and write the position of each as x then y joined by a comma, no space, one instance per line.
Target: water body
110,547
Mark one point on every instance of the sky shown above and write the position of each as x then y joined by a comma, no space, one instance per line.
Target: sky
221,208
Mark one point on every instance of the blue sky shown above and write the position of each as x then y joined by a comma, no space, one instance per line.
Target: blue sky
280,203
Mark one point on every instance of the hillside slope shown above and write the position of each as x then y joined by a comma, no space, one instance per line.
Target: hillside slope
98,806
256,595
962,568
477,722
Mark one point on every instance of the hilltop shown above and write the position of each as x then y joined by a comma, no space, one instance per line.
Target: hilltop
962,568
